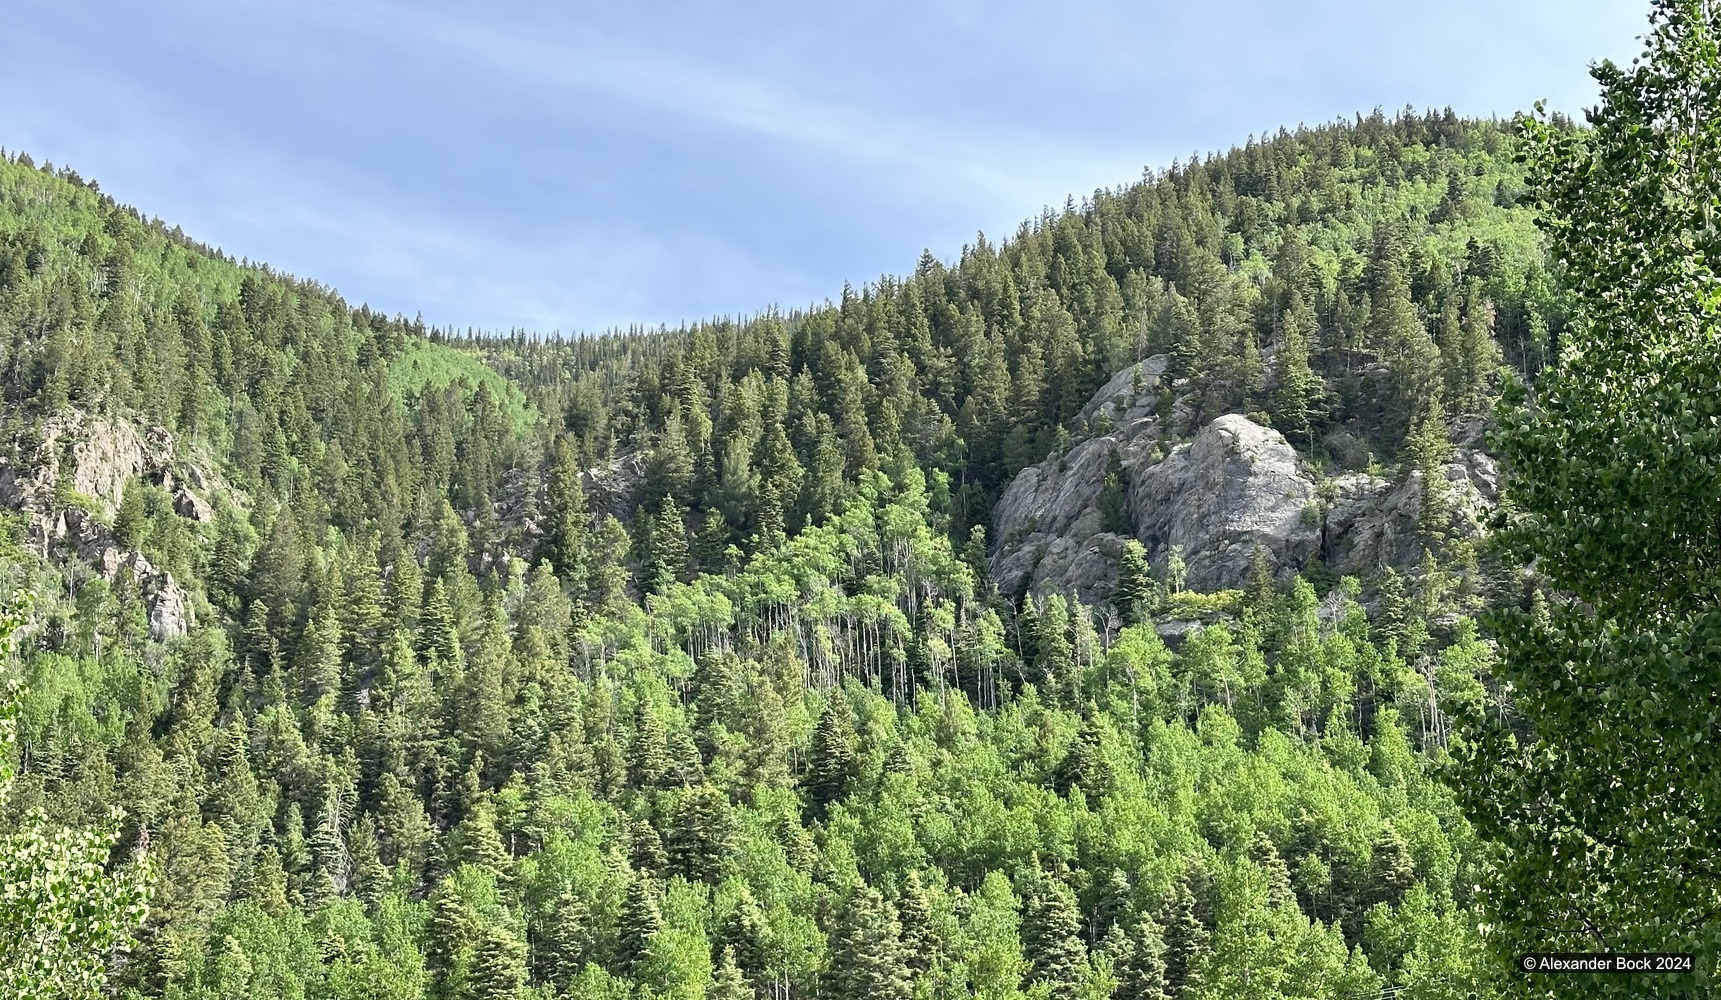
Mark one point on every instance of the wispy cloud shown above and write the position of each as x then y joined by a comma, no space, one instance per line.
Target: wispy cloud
578,166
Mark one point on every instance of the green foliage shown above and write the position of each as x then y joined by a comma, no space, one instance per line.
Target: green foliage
666,663
63,914
424,368
1600,789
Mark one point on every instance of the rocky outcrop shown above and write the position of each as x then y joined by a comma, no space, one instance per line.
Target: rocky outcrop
611,487
1234,488
69,484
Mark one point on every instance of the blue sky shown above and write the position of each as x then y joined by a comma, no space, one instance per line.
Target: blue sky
578,166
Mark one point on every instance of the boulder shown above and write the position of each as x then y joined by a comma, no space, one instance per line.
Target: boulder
1232,489
1235,488
190,505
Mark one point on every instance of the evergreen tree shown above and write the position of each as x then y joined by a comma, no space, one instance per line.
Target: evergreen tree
866,960
1113,508
1051,936
920,940
701,834
745,935
1186,944
645,848
1295,402
648,757
565,940
566,519
1426,451
1084,765
669,547
640,922
1143,974
833,758
1391,869
1134,596
727,982
498,966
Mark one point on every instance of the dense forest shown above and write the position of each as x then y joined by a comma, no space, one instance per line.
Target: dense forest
667,662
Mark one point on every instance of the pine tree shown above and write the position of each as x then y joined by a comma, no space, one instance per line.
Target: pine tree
1113,509
727,982
669,472
648,756
1113,905
833,757
645,848
476,841
1054,659
369,877
711,546
1084,765
1051,937
1397,334
1426,451
1266,857
452,924
866,960
1143,976
438,637
745,935
565,939
1391,869
669,547
920,939
498,966
1295,403
328,854
640,922
566,518
1186,944
701,834
1134,594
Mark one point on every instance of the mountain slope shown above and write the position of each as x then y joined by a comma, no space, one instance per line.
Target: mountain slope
459,705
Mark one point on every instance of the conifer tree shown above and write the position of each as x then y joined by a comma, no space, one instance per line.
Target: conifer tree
452,924
476,841
1051,937
727,982
866,960
833,758
1186,944
1391,869
1426,451
701,834
369,877
648,757
1267,858
498,966
565,939
640,922
566,519
1113,508
920,939
645,848
669,547
1295,403
1397,333
1142,976
1084,765
1133,597
745,935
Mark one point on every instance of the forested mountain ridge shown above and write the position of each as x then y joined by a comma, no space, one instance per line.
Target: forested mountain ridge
457,709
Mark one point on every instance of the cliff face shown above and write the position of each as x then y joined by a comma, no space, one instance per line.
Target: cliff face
69,485
1233,487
